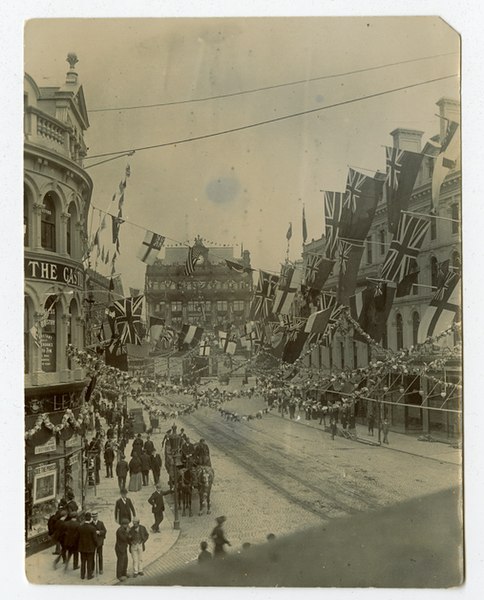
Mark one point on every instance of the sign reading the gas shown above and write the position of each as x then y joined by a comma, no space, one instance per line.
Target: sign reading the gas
47,270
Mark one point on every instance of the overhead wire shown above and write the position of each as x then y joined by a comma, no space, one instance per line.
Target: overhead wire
270,87
265,122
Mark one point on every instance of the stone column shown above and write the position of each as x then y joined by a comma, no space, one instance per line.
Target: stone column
64,224
35,235
65,374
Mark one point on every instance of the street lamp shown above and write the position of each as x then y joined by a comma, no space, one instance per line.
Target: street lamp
174,441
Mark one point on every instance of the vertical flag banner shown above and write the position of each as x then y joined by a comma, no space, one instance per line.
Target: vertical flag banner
289,285
304,227
289,232
443,308
349,261
402,167
150,247
404,247
128,319
194,253
317,269
371,309
359,204
333,206
263,300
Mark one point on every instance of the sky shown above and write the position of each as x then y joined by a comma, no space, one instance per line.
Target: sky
242,187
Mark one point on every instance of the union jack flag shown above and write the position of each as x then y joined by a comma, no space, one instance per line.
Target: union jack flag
295,325
354,184
128,319
394,166
333,204
264,294
344,254
404,248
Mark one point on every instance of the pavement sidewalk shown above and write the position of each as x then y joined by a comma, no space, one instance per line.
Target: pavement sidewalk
39,567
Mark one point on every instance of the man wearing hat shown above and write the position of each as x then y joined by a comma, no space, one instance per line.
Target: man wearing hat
121,549
87,546
124,508
157,507
100,537
138,536
219,539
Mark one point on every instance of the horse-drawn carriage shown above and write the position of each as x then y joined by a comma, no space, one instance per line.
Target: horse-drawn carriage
192,470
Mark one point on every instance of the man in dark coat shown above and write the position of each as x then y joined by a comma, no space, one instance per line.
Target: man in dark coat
71,505
149,446
156,463
145,466
124,508
58,536
87,546
157,507
138,537
71,540
137,445
109,459
100,537
121,549
122,469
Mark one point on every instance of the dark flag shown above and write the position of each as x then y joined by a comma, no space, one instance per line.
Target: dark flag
359,205
404,287
402,167
371,309
333,205
289,232
275,337
117,222
317,269
404,247
237,267
349,261
190,335
128,319
296,338
443,308
263,299
304,227
194,253
116,356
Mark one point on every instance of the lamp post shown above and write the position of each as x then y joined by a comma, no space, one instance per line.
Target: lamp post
175,441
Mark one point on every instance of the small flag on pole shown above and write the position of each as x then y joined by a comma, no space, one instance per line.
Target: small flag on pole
289,232
304,227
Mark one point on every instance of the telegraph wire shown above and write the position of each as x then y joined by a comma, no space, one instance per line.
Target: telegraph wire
269,87
266,122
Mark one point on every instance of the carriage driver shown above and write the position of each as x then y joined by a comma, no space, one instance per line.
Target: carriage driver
202,454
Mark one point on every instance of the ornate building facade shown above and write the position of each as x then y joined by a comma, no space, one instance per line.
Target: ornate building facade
57,194
442,243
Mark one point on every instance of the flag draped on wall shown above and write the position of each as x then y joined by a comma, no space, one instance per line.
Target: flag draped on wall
194,253
263,300
402,167
443,308
371,309
404,247
359,205
446,159
333,205
127,319
289,285
150,247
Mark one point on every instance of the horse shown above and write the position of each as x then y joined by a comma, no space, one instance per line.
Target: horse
185,485
205,477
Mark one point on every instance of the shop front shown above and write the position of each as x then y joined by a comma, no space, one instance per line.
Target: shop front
54,464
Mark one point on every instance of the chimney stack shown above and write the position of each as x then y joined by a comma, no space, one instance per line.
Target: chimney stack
449,110
407,139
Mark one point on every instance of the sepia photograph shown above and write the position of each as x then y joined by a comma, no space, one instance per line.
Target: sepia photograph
242,248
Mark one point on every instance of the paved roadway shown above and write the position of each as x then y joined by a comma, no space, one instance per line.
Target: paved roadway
278,476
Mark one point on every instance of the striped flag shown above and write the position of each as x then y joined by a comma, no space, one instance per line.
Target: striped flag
189,335
194,253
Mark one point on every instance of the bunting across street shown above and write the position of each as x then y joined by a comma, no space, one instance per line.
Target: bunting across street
405,247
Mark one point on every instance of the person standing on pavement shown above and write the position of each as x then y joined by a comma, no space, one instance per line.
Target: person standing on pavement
145,466
109,459
219,539
157,507
135,476
122,469
87,546
137,445
124,508
156,463
138,537
149,447
371,422
71,540
121,549
71,505
332,426
100,537
58,534
385,429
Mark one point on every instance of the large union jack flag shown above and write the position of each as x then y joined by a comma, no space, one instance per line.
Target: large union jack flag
264,294
333,204
354,185
128,319
344,255
394,166
404,248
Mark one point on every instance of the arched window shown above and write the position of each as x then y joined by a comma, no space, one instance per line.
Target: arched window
456,260
71,241
49,336
415,325
434,271
47,223
26,217
399,331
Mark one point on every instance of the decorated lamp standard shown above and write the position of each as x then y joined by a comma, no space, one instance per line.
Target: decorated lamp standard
174,441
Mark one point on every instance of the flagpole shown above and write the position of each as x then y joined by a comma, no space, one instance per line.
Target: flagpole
430,216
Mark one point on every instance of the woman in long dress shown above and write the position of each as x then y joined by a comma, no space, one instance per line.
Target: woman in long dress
135,476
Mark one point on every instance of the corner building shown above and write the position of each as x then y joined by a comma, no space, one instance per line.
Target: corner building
57,194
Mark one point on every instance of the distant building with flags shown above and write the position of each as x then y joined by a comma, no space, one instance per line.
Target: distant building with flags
424,246
57,196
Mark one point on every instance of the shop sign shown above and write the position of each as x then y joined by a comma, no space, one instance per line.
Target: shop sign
73,442
48,352
48,270
49,446
50,402
45,482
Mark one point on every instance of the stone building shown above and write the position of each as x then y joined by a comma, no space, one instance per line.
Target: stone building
57,193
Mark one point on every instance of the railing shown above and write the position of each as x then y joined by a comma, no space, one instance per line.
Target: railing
49,130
